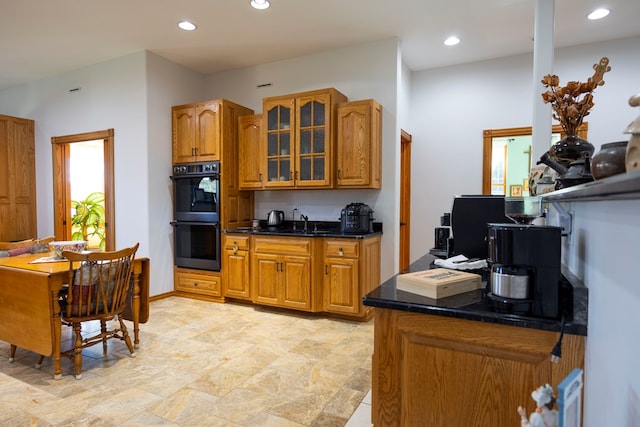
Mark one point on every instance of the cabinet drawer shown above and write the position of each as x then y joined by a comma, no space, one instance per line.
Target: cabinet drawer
236,240
282,246
198,283
342,248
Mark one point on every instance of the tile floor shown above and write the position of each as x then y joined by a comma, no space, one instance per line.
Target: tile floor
203,364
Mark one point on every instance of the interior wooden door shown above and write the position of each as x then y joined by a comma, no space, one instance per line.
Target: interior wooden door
405,200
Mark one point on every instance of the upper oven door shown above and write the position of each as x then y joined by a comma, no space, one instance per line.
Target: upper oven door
196,197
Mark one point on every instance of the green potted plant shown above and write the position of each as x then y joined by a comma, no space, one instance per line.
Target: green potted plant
88,221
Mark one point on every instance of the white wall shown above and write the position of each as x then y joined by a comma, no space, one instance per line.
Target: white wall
360,72
168,84
603,251
112,95
133,95
450,107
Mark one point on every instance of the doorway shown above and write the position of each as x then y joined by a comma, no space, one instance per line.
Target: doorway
495,146
405,200
83,188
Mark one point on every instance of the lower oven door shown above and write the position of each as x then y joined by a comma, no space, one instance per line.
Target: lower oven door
197,245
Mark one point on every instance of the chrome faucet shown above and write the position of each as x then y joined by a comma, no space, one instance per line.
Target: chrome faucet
306,221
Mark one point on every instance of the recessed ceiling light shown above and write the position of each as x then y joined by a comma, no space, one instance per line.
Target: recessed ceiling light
452,41
260,4
186,25
598,14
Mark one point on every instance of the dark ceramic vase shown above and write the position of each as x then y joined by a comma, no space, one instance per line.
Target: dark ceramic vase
610,160
569,149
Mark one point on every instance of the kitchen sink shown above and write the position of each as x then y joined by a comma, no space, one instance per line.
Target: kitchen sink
307,232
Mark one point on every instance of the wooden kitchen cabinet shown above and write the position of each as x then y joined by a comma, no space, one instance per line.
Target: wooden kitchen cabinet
18,183
196,132
199,282
434,370
251,149
299,133
282,272
351,270
359,144
235,264
208,131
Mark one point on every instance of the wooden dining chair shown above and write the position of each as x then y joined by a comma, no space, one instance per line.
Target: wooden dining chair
97,290
25,244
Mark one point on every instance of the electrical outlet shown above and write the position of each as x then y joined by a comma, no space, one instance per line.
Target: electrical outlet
566,222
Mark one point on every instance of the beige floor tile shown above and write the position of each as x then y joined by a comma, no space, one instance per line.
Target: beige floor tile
201,364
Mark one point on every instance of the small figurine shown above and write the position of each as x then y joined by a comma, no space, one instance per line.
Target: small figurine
632,159
600,68
544,415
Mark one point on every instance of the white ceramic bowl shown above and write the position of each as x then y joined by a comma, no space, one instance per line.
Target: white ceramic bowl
67,245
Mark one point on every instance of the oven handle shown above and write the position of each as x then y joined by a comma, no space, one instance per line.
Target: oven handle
176,223
214,176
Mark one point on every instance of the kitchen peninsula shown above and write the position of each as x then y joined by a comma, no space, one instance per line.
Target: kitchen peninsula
453,361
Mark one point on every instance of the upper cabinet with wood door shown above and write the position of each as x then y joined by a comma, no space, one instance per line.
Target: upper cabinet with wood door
359,145
250,150
18,183
196,132
299,132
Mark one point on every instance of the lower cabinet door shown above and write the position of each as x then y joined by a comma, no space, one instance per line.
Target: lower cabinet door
265,278
341,284
296,282
236,274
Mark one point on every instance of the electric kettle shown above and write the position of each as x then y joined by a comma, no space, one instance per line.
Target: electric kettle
275,218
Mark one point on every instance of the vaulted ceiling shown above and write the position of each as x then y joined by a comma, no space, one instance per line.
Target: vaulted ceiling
39,38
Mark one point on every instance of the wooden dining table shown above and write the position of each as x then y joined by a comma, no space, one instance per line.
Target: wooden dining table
29,309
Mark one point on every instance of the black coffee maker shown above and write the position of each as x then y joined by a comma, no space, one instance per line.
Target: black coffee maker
525,269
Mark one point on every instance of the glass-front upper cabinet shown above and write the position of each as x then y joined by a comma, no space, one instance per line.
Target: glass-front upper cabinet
280,142
299,133
313,159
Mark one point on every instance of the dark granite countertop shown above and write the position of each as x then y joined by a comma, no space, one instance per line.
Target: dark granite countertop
473,305
314,229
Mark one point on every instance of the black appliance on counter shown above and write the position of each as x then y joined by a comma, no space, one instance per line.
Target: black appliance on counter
469,218
196,214
525,269
356,218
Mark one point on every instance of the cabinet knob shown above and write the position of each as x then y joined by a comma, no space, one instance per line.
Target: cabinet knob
340,252
339,174
235,248
260,176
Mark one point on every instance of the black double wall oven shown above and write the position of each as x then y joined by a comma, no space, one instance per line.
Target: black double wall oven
196,214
